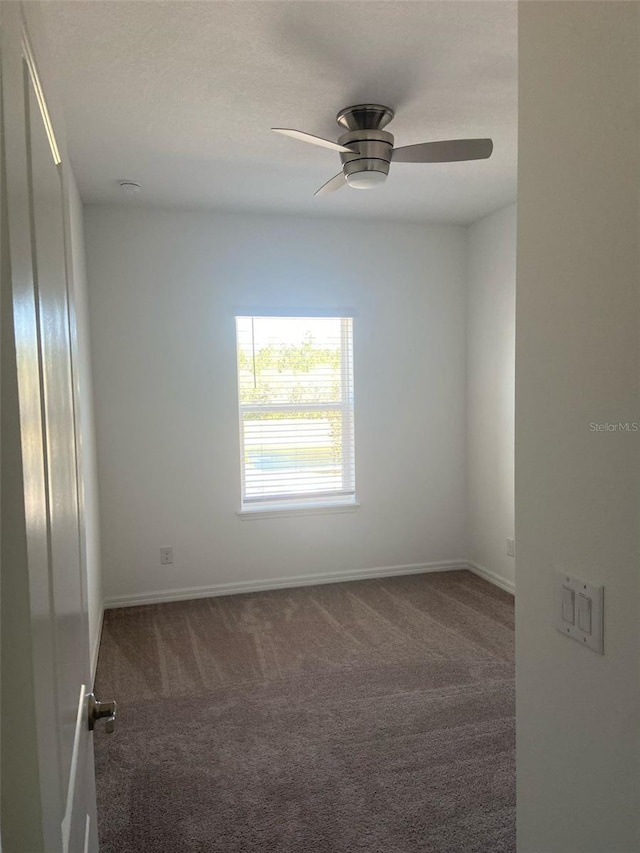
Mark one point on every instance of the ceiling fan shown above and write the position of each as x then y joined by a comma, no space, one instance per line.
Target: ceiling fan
366,150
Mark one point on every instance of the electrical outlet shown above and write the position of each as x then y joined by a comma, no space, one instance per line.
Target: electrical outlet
166,556
511,547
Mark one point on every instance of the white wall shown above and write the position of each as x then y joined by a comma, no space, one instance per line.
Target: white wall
90,531
164,286
577,491
491,297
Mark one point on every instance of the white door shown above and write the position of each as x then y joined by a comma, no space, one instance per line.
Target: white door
47,751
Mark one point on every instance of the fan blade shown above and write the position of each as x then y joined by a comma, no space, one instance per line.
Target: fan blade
314,140
447,151
335,183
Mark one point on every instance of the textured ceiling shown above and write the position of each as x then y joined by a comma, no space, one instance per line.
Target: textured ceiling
180,96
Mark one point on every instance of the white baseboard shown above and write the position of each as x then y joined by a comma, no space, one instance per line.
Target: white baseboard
492,577
236,587
96,648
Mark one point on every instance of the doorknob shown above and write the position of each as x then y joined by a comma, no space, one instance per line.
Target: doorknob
98,710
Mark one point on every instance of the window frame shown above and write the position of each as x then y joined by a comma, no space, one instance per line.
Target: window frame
309,502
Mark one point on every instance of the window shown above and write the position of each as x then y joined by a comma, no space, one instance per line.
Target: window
295,382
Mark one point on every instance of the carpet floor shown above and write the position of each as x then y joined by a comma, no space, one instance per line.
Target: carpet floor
366,717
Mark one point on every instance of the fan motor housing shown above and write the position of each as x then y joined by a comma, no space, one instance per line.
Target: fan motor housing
373,150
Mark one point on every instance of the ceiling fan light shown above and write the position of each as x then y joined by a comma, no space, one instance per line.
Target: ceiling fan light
366,180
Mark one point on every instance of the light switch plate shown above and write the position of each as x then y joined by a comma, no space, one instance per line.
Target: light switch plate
588,601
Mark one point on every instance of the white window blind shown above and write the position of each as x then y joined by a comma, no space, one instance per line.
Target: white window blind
295,383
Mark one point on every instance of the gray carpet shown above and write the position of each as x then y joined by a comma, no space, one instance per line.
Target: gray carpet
374,716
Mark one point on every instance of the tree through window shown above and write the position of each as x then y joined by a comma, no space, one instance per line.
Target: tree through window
295,381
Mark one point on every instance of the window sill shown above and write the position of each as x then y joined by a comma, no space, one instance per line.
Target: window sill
284,511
